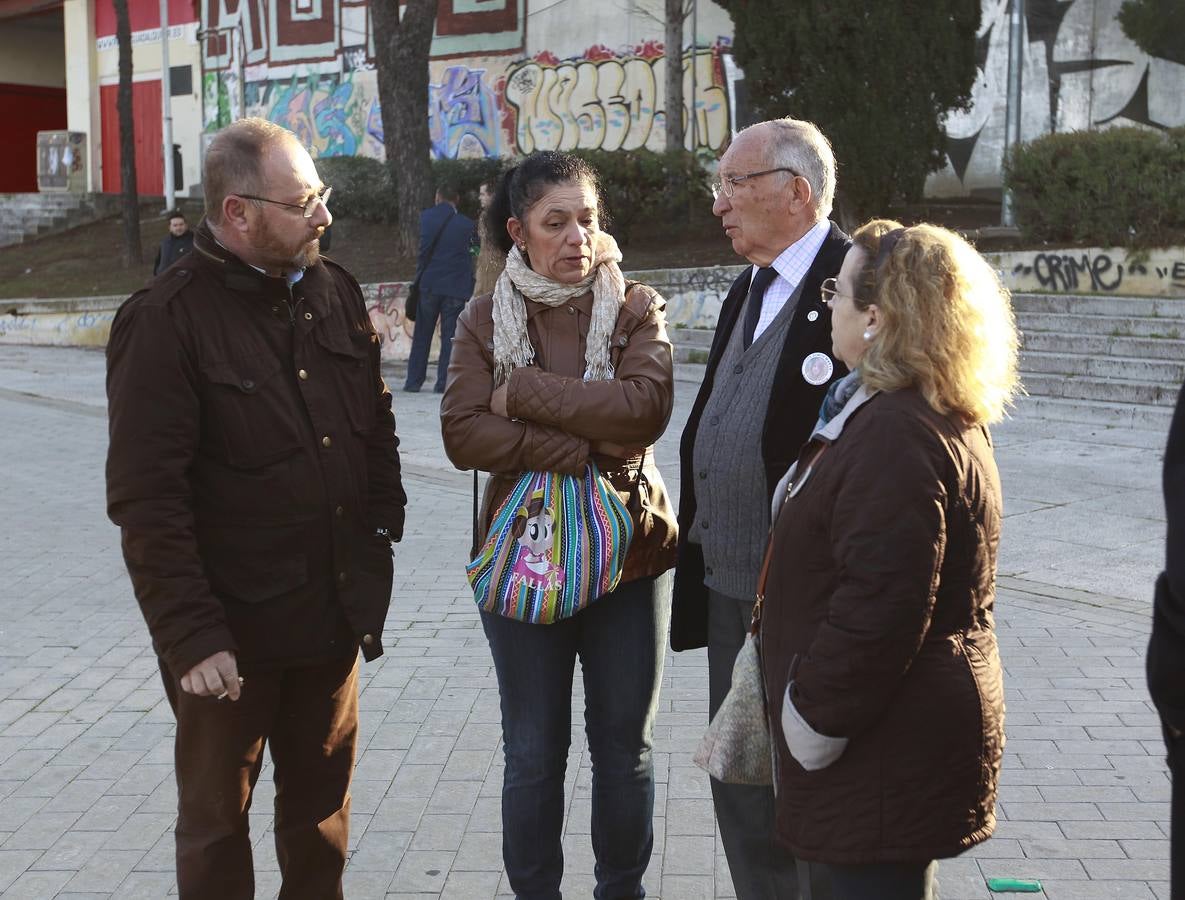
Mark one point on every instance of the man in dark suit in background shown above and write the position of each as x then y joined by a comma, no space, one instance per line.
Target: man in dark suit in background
768,370
1166,650
445,271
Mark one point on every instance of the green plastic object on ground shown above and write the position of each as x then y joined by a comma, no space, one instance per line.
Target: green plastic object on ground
1015,885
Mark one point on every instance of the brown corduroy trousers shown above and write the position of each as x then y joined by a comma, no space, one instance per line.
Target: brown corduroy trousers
308,718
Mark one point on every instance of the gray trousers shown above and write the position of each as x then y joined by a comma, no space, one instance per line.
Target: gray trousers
761,870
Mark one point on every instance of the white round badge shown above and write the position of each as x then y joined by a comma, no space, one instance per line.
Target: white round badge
817,368
812,315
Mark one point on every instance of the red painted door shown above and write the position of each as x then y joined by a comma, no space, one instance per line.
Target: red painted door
150,178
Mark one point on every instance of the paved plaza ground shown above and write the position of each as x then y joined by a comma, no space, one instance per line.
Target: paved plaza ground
86,789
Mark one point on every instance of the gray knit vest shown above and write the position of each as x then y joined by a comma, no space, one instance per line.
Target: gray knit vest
732,506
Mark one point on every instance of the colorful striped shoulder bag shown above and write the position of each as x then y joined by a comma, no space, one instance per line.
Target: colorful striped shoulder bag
556,544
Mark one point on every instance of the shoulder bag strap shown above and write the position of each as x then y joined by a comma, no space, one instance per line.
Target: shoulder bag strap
755,622
435,241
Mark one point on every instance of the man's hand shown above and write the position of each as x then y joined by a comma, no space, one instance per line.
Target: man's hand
214,676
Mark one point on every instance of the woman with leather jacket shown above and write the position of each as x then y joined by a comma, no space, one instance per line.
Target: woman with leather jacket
562,364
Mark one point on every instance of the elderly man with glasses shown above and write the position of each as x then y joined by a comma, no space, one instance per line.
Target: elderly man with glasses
254,472
768,370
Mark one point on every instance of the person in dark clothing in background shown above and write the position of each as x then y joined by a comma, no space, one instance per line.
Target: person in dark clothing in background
1166,649
445,270
177,244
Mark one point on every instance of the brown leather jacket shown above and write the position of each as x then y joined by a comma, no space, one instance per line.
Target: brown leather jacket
557,418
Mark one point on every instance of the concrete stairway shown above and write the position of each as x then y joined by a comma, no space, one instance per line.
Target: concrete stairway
1110,361
26,216
1102,360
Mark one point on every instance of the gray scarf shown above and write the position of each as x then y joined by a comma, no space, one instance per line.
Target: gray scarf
512,344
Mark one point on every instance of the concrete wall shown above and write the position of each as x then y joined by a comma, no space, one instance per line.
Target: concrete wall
577,77
1079,72
1159,273
583,76
82,83
693,295
33,52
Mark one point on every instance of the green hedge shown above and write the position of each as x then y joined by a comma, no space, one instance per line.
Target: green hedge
362,187
641,189
1118,187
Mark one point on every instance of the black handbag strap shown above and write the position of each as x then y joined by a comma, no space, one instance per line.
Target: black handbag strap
432,246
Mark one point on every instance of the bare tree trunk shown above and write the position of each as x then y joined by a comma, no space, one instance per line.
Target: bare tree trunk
133,255
401,48
673,51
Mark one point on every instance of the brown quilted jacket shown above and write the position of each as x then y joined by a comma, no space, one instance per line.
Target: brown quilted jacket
558,420
879,609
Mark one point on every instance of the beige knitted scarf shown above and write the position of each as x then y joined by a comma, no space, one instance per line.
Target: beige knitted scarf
512,345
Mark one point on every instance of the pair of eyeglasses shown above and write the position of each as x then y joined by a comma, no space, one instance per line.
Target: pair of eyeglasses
306,209
728,184
829,291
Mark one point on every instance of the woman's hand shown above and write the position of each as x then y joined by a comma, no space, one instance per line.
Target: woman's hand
498,401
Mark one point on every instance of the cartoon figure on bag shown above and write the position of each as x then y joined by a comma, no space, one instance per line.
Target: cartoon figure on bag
534,530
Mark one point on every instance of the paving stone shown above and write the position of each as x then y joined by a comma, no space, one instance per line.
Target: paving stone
86,735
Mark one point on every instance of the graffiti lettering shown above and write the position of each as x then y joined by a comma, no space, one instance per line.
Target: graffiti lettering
462,115
1061,272
331,115
610,103
1156,273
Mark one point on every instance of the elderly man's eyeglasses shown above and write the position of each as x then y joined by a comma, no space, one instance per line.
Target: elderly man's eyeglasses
829,291
307,208
728,184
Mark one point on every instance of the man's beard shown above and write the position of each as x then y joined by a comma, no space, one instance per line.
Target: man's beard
283,255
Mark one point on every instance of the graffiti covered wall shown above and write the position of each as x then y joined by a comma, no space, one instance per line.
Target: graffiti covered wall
490,93
578,78
1079,72
608,101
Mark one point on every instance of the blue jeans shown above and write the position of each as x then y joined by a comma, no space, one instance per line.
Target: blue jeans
620,640
430,308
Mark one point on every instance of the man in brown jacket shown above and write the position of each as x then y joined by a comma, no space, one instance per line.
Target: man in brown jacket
254,472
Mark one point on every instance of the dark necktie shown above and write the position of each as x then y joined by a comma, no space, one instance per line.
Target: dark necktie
761,281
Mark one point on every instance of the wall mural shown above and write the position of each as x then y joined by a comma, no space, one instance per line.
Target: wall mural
309,64
492,103
1079,71
612,102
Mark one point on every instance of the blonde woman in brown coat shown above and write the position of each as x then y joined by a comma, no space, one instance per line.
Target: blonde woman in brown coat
886,697
564,363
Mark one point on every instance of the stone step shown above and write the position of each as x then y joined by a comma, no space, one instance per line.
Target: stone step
1111,390
1096,412
1160,371
1105,345
691,344
1111,326
1100,305
26,205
